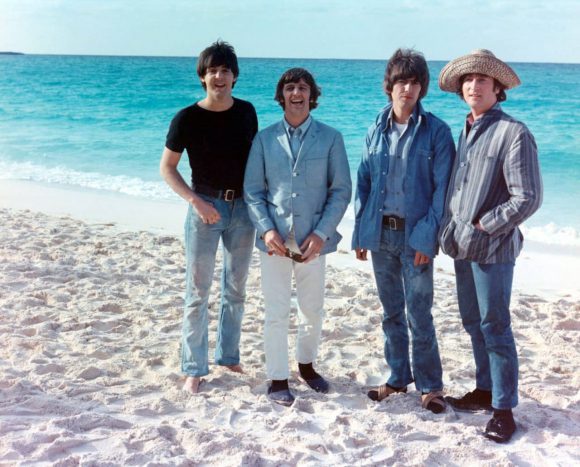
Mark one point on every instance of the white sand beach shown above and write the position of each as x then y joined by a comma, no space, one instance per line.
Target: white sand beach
91,292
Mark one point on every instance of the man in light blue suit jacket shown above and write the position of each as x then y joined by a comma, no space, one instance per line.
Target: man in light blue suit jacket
297,187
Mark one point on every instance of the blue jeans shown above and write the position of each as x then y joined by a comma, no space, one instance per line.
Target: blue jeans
483,294
201,243
400,282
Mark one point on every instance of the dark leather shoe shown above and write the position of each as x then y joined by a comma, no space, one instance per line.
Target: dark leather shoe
283,397
318,384
500,429
473,401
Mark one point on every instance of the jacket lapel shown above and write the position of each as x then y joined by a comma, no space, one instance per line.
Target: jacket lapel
283,140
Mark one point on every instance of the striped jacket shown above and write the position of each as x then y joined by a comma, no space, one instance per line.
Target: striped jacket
496,181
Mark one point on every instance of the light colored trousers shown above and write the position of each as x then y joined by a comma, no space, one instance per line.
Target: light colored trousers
277,289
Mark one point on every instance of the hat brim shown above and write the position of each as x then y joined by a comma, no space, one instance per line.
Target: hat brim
476,63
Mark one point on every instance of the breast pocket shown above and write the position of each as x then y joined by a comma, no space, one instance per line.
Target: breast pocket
425,155
489,163
423,165
490,156
375,157
316,171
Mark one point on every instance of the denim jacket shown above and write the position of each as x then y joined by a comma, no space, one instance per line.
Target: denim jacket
310,194
429,163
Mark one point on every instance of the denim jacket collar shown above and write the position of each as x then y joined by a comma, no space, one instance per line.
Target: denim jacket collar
385,117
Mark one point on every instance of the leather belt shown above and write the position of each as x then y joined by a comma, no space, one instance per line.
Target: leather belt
226,195
394,222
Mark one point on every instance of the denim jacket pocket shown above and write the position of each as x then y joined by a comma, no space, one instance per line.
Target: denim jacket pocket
426,154
375,158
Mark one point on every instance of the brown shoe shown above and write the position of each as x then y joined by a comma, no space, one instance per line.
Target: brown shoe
384,391
433,401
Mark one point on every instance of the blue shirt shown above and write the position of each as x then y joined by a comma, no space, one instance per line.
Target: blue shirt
397,150
301,129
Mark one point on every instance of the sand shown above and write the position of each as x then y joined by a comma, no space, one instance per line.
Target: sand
90,317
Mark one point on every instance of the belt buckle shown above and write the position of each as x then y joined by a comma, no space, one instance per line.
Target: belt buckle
392,223
229,195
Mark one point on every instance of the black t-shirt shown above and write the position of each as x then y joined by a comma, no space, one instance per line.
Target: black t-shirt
217,143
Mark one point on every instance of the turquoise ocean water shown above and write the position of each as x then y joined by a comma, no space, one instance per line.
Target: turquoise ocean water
100,122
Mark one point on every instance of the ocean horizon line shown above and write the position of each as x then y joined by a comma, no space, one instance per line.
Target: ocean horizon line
384,59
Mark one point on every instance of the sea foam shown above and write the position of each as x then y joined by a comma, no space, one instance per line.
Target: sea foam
549,234
60,175
552,234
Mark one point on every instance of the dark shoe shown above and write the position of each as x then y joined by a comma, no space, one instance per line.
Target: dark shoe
313,379
318,384
500,428
282,397
384,391
473,401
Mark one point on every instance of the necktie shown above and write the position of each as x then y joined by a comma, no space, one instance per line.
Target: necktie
295,134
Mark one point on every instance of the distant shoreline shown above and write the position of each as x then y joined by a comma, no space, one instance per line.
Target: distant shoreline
11,53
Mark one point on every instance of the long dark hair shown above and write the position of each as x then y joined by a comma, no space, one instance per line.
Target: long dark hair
406,64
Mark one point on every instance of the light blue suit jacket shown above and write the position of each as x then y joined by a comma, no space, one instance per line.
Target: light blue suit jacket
311,194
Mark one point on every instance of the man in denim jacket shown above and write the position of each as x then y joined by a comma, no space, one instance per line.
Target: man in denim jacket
402,181
297,187
494,187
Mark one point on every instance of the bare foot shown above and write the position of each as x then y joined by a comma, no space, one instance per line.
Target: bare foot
192,384
235,368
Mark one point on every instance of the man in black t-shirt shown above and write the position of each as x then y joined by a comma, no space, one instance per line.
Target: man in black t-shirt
217,134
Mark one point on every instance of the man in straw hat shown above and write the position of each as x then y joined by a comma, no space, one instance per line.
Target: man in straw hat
401,184
495,186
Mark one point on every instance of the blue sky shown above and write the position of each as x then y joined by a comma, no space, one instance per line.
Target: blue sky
516,30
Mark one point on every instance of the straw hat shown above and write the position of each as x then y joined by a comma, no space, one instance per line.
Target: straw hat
480,61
